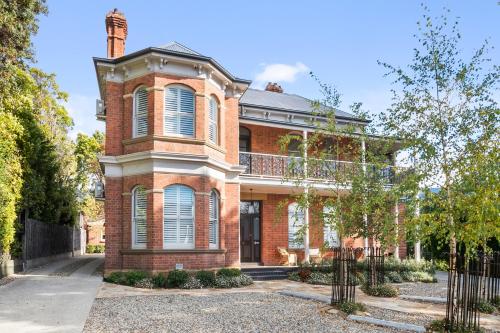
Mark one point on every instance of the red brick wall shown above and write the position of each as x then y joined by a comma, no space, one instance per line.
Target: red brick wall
264,139
94,234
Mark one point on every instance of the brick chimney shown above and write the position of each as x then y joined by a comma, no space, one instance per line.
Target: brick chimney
116,27
274,87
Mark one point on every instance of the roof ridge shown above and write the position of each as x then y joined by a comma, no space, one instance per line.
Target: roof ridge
181,46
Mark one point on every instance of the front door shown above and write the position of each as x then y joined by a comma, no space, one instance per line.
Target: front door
250,231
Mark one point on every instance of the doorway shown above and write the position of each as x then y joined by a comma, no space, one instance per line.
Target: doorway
250,236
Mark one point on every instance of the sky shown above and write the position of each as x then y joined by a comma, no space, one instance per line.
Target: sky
279,41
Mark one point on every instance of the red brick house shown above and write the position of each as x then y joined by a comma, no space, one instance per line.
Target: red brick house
193,171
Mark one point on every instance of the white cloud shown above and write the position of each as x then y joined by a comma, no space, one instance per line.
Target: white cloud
280,73
82,109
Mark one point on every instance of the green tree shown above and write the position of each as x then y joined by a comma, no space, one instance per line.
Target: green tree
443,108
87,152
353,166
37,167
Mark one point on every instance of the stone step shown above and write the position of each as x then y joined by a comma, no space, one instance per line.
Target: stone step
269,277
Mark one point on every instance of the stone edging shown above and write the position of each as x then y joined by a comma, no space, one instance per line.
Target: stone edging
387,323
425,299
362,319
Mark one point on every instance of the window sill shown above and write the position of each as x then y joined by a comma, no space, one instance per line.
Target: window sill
173,251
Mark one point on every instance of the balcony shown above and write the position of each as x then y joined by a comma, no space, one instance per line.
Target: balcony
280,166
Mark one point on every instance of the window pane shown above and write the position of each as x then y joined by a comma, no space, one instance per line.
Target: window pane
178,217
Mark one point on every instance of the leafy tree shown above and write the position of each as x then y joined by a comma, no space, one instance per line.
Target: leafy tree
10,178
443,110
355,181
87,152
37,167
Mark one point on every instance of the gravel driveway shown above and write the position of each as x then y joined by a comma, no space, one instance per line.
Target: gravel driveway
226,312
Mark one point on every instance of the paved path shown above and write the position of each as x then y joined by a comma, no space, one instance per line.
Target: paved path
54,298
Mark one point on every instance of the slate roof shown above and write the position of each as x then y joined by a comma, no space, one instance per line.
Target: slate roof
178,47
283,101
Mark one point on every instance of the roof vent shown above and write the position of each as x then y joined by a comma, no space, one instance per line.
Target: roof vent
274,87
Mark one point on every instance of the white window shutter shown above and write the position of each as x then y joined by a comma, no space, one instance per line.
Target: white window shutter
296,220
139,217
213,227
179,111
178,217
330,235
141,113
213,120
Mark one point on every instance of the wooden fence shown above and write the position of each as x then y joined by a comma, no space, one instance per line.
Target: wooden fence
46,240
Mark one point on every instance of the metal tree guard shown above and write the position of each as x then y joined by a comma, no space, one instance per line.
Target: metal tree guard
344,275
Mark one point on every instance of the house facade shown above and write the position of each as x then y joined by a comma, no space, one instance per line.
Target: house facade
193,169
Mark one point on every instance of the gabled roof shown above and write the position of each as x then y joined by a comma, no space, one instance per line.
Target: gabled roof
178,47
285,102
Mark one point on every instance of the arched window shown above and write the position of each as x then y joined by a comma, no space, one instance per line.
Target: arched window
330,235
140,117
214,216
139,208
296,220
178,217
244,139
213,121
179,111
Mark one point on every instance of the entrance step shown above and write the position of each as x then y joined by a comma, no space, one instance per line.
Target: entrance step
264,273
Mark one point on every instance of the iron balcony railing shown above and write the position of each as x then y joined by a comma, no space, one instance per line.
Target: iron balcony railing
281,166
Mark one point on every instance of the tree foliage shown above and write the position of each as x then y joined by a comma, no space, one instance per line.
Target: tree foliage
87,152
355,191
37,166
444,112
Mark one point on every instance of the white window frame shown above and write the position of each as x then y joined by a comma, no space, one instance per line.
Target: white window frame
178,114
328,232
214,220
134,115
135,244
296,220
178,217
213,120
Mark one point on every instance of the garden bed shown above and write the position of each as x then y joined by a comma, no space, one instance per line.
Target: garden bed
223,278
396,271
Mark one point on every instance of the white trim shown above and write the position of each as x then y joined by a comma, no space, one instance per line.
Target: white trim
134,112
173,65
134,245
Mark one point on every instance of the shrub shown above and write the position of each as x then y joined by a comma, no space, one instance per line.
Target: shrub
351,307
206,278
233,281
320,278
244,280
417,277
304,274
496,301
441,265
159,280
99,248
382,290
229,272
394,277
176,278
89,248
485,307
294,276
192,283
116,277
222,281
146,283
132,277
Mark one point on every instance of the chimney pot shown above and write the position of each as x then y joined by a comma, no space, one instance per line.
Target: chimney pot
274,87
116,28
